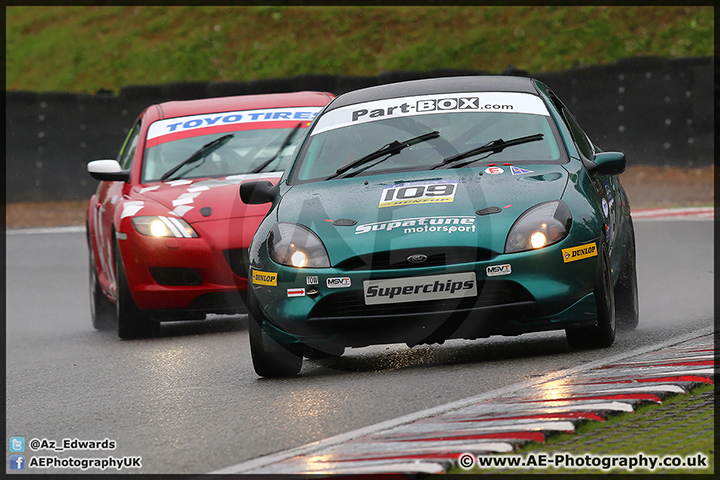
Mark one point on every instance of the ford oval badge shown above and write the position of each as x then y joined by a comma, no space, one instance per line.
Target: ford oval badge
417,258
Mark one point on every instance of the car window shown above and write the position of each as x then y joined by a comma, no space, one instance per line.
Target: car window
579,136
244,152
581,139
127,152
339,141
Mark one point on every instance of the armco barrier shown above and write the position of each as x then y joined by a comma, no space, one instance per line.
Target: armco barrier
658,111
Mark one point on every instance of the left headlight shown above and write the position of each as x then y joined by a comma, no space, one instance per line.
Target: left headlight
296,246
539,226
159,226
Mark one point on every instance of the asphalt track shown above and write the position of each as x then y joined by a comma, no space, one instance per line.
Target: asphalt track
189,401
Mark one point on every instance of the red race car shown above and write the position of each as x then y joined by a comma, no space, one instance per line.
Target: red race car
167,232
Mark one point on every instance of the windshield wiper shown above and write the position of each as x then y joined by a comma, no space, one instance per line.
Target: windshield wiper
390,149
203,152
494,147
285,143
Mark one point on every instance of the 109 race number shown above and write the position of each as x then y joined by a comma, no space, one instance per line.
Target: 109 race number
418,192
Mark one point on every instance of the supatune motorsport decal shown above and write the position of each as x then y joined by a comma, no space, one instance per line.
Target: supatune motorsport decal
447,224
429,104
427,191
419,289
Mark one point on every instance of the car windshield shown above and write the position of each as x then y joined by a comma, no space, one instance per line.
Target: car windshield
243,153
251,141
339,140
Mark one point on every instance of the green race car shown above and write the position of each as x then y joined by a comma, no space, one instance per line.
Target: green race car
427,210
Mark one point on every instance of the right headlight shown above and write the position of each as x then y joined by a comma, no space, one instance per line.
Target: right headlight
160,226
539,226
296,246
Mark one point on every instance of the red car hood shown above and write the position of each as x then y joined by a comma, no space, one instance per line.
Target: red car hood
205,199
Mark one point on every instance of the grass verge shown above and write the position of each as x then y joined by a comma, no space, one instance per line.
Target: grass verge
682,426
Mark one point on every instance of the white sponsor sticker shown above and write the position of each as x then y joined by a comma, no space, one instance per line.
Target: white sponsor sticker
507,102
428,191
132,207
312,280
338,282
213,120
420,289
295,292
495,270
494,170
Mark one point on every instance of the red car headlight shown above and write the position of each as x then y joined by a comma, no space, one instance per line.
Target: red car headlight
160,226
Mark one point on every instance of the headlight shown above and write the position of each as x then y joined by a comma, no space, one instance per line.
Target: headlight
539,226
296,246
159,226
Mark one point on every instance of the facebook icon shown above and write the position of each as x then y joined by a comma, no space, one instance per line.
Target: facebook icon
17,462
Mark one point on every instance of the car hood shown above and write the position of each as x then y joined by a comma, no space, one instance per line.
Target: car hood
206,199
449,207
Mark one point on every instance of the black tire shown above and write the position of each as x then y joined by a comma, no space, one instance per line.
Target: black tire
131,321
324,352
602,334
626,290
102,310
270,359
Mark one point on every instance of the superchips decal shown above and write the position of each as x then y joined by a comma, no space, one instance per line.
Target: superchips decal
578,253
430,104
420,289
428,191
190,126
264,278
447,224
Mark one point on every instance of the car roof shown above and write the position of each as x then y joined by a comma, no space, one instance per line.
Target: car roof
242,102
428,86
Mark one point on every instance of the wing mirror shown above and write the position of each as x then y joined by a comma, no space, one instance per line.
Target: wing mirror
258,192
108,170
610,163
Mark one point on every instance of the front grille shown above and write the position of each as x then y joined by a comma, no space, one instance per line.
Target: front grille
352,304
176,276
398,259
220,302
239,261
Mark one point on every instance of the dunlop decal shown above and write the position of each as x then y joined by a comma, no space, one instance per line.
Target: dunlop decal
578,253
264,278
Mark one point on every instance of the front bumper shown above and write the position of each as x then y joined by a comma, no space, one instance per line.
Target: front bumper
181,278
540,292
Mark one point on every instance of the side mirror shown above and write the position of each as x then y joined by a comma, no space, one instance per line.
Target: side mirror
108,170
258,192
610,163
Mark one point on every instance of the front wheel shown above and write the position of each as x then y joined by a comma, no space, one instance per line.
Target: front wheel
602,334
626,290
102,310
270,359
131,321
